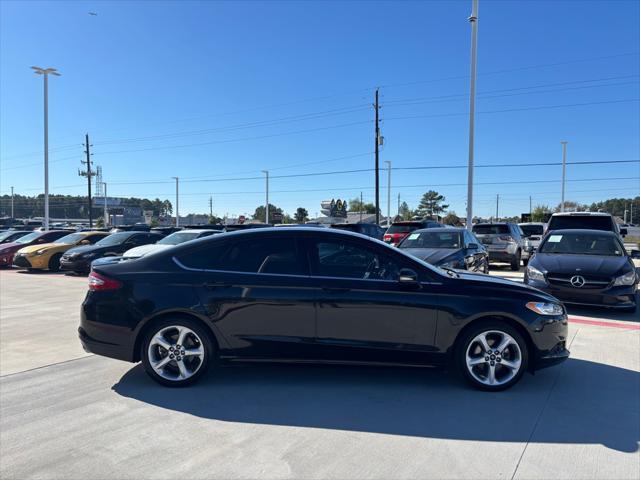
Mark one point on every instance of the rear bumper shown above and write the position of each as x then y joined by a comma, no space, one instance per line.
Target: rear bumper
500,256
101,333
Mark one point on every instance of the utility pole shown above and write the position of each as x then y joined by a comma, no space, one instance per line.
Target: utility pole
398,204
377,154
530,209
388,192
564,172
625,214
497,205
473,19
211,206
266,207
12,203
89,174
177,179
45,72
630,220
105,215
360,207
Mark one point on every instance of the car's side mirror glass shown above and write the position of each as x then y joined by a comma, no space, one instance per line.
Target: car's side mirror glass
407,276
635,254
472,246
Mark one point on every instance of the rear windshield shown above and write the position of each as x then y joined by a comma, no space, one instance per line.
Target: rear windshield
406,228
582,244
490,229
530,230
588,222
71,238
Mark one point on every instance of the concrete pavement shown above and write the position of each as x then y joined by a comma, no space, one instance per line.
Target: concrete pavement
91,417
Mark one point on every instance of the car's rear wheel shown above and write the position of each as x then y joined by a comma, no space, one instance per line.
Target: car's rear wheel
515,262
177,352
492,356
54,262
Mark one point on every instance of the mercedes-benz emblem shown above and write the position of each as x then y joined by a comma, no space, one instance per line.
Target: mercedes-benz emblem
577,281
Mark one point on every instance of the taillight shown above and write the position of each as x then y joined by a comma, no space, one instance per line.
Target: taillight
101,283
506,238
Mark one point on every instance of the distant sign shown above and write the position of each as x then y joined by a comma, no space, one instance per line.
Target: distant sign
98,202
334,208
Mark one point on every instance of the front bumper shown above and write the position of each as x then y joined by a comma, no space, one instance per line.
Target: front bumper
6,260
623,297
75,264
549,335
21,261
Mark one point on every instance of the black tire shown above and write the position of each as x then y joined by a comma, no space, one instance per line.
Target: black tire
464,342
54,262
525,262
515,263
486,268
209,357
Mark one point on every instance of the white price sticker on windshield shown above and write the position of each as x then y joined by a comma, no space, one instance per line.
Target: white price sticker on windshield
414,236
554,238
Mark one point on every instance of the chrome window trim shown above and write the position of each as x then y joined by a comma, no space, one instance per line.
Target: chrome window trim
209,270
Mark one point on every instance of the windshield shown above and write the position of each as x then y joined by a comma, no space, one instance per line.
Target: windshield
592,222
490,229
433,240
114,239
178,237
582,244
71,238
5,235
406,228
29,238
532,230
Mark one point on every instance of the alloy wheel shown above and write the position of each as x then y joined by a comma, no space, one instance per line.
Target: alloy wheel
176,353
493,358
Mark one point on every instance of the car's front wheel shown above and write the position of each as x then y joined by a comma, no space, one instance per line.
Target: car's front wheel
492,356
177,352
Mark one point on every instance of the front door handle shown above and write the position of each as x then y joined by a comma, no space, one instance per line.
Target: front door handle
214,285
335,290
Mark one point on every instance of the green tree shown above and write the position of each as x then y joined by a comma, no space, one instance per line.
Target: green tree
405,212
431,204
301,215
356,206
539,212
259,213
570,206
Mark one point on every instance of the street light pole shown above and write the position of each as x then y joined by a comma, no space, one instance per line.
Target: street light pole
266,207
45,72
177,204
388,192
564,172
473,19
11,203
106,211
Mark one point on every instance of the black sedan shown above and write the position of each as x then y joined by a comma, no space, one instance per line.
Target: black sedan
315,295
448,248
587,267
79,259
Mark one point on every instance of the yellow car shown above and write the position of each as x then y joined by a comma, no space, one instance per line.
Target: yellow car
46,256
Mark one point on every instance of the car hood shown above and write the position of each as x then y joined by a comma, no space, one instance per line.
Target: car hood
45,246
504,285
587,264
6,247
85,249
434,256
143,250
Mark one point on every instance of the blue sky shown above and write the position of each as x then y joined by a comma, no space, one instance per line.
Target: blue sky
215,92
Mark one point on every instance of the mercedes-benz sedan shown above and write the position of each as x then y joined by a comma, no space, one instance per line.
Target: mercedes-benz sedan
315,295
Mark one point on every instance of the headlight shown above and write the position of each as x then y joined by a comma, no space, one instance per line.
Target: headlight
543,308
89,255
534,274
628,278
41,252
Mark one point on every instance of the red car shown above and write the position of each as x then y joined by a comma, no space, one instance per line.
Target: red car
7,250
399,230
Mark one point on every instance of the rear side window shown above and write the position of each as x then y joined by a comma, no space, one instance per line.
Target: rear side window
260,255
491,229
591,222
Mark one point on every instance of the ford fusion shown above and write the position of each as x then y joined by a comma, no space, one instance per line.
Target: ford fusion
315,295
447,248
588,267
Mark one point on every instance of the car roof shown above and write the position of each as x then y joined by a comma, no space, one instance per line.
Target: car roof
586,214
584,230
492,223
532,223
194,230
440,229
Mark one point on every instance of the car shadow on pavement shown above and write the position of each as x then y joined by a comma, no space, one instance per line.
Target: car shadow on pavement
590,402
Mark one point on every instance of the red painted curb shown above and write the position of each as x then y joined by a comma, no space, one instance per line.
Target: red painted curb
599,323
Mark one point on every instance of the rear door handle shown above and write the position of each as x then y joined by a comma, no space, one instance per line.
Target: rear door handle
335,290
214,285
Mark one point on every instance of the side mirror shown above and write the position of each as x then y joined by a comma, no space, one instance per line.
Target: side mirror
635,254
408,276
472,246
623,231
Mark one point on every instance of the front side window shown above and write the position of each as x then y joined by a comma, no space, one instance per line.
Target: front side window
345,260
260,255
432,240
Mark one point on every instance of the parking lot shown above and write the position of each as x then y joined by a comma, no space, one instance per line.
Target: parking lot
68,414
